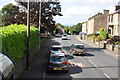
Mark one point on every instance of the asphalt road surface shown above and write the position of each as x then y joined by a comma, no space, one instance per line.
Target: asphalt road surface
96,63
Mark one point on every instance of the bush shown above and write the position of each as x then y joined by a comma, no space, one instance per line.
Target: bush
114,40
14,40
98,38
104,34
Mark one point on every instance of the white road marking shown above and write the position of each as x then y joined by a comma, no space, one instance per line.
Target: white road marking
76,64
93,64
107,76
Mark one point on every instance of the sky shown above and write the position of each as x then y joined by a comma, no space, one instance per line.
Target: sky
78,11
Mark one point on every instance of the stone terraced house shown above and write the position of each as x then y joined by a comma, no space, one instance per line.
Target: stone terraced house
114,21
110,22
95,23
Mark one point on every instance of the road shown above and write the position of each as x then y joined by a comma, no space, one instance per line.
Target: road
96,63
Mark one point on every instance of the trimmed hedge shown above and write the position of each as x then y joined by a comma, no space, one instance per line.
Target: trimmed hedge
14,40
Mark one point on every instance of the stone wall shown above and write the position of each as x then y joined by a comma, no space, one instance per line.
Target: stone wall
21,65
102,44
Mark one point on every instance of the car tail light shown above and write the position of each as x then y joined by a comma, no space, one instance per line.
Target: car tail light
50,51
65,63
50,63
62,52
73,50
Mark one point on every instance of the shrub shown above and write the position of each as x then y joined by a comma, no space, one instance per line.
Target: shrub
114,40
14,40
117,43
103,34
98,38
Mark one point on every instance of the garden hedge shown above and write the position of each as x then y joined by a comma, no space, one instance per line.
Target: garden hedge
14,40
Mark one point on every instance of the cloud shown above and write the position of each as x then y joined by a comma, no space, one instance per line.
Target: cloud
88,1
79,10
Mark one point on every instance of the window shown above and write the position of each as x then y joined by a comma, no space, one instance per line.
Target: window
111,18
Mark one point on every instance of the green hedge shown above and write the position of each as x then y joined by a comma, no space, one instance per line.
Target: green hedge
14,40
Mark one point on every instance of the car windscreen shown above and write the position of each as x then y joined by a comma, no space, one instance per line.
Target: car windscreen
57,59
56,49
79,47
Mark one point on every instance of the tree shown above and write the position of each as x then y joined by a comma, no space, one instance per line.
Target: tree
78,28
10,14
48,10
58,24
1,24
67,30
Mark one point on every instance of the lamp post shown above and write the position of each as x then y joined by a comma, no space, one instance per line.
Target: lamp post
28,35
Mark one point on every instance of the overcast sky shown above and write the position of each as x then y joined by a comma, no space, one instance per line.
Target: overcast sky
75,11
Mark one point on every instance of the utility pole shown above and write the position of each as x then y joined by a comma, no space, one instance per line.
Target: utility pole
28,35
40,15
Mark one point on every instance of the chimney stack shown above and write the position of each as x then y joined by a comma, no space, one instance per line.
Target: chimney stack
117,6
106,11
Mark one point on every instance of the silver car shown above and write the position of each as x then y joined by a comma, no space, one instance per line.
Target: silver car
58,62
56,49
64,37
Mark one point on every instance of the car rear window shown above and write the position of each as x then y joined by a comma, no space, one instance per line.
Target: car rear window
57,59
79,47
56,49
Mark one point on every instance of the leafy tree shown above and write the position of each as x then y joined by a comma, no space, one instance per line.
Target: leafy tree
1,24
72,29
58,24
75,29
78,28
10,14
67,30
48,10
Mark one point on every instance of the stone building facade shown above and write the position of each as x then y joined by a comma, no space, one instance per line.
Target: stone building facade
84,27
113,21
95,23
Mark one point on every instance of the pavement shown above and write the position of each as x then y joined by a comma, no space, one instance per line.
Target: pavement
87,41
38,63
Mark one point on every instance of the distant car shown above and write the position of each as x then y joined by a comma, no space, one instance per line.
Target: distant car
77,49
56,49
58,62
57,35
64,37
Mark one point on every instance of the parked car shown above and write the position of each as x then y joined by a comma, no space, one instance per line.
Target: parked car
78,49
58,35
64,37
56,49
58,62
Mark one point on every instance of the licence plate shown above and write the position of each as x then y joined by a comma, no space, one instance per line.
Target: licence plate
57,68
